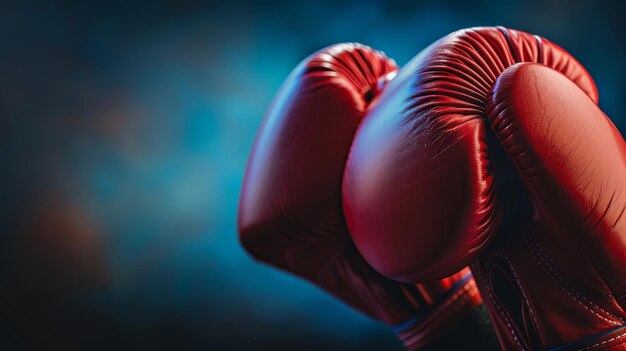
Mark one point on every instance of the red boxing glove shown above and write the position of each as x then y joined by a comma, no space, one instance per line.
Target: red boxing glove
510,167
291,214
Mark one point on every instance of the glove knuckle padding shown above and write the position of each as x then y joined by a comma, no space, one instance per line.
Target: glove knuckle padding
489,148
573,162
555,275
290,213
418,189
291,192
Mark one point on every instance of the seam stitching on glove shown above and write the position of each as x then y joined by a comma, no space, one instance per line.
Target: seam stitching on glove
534,189
530,310
504,316
543,262
414,339
602,343
552,264
467,286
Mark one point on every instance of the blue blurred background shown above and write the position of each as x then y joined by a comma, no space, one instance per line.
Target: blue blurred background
125,131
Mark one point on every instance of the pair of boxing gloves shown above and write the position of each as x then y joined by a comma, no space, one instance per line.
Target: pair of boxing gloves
382,185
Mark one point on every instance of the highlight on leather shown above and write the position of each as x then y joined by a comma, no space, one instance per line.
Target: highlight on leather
290,213
354,66
572,161
294,172
419,171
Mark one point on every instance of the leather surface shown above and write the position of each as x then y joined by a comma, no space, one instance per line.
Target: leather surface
471,155
557,270
291,213
419,163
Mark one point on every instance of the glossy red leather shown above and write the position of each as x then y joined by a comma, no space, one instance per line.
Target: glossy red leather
290,211
565,255
419,163
471,156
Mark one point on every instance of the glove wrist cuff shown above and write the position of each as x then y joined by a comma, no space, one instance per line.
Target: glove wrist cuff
425,328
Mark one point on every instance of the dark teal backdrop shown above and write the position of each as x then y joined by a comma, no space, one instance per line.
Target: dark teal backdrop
125,130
